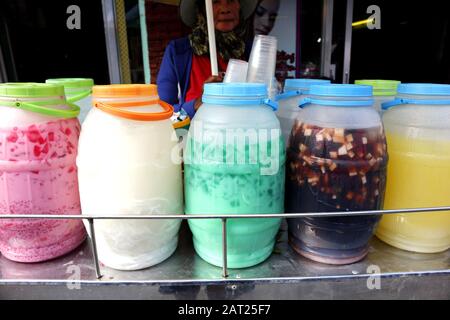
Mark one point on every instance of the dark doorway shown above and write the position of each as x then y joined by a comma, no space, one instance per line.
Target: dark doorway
37,44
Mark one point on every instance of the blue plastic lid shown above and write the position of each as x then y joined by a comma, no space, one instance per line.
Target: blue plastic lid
244,90
429,89
420,89
237,94
342,90
297,84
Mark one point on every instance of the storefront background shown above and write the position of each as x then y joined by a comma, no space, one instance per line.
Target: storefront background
413,44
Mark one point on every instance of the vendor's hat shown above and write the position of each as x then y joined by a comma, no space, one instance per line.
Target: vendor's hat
189,10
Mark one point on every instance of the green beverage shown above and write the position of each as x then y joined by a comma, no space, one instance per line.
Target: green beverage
235,178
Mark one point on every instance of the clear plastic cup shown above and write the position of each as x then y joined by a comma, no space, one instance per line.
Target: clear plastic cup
262,62
236,71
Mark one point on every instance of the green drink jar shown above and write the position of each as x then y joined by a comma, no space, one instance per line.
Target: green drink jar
235,164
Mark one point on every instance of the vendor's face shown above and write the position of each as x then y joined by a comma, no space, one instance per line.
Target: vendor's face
226,14
265,16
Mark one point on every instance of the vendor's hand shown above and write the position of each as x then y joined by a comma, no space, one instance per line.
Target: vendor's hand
215,79
212,79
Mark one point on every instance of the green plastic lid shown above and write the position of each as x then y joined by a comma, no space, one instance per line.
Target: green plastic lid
381,87
30,90
72,83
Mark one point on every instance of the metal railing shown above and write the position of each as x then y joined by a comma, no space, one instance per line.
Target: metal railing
224,218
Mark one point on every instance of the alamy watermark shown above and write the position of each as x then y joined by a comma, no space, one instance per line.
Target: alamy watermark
74,19
74,272
232,146
374,21
374,281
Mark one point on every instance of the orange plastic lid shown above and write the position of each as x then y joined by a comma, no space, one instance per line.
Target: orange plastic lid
119,110
124,90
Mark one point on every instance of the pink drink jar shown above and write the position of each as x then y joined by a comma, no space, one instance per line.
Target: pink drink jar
38,175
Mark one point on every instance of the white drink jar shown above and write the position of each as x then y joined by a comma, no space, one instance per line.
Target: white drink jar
126,168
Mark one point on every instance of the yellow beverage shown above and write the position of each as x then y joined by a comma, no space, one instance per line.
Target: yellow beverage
418,176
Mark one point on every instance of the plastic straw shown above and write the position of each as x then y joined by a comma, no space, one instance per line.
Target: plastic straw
212,38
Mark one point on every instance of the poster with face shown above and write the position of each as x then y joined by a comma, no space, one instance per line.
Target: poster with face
266,14
279,19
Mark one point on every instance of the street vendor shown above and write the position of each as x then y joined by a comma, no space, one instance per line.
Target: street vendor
186,65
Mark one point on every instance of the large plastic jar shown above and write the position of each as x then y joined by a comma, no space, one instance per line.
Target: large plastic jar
383,91
128,166
78,91
418,133
295,90
336,162
38,174
235,164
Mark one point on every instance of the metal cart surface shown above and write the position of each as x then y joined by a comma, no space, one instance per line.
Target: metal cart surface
386,273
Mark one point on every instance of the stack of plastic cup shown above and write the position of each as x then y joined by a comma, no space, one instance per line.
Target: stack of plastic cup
262,62
236,71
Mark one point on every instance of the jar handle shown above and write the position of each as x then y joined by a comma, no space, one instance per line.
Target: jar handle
304,103
399,101
80,96
119,110
390,104
73,112
272,104
287,95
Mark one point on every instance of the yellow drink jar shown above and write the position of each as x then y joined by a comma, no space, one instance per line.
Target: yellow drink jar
417,125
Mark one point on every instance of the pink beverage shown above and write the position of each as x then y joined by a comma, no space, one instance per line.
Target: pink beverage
38,175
